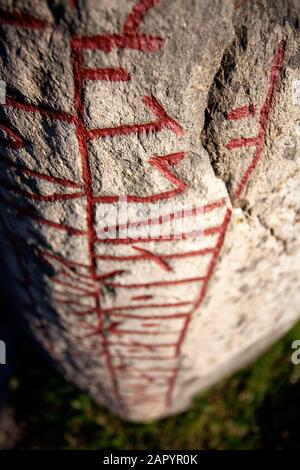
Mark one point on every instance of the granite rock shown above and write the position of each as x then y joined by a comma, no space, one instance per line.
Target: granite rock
173,105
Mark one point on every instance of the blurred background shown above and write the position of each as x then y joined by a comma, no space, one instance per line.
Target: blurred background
257,408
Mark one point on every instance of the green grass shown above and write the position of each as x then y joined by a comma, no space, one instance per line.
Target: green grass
256,408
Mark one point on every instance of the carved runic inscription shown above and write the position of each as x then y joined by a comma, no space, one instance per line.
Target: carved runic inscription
129,328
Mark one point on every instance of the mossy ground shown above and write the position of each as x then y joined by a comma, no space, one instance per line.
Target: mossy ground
254,409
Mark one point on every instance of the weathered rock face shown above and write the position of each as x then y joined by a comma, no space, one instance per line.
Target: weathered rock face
170,103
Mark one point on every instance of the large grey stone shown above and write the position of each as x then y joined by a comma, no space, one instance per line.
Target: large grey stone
100,96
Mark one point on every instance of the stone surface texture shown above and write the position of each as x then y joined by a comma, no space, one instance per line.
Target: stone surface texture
181,102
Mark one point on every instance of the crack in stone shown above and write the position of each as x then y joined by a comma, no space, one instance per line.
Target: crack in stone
272,233
217,103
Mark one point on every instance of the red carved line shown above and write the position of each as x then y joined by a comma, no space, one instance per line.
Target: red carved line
187,254
50,223
158,221
94,332
135,307
21,20
143,345
52,179
214,258
16,143
273,82
100,352
68,302
242,142
74,278
147,402
95,349
153,257
214,205
143,400
192,212
164,121
241,113
81,134
206,209
138,389
60,116
151,317
106,74
144,358
161,163
76,294
85,313
107,43
149,379
86,326
115,331
143,403
137,15
42,176
67,284
76,324
200,297
111,273
123,368
77,62
64,261
264,115
138,393
212,230
155,283
139,396
40,197
141,392
184,236
73,4
22,212
142,297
